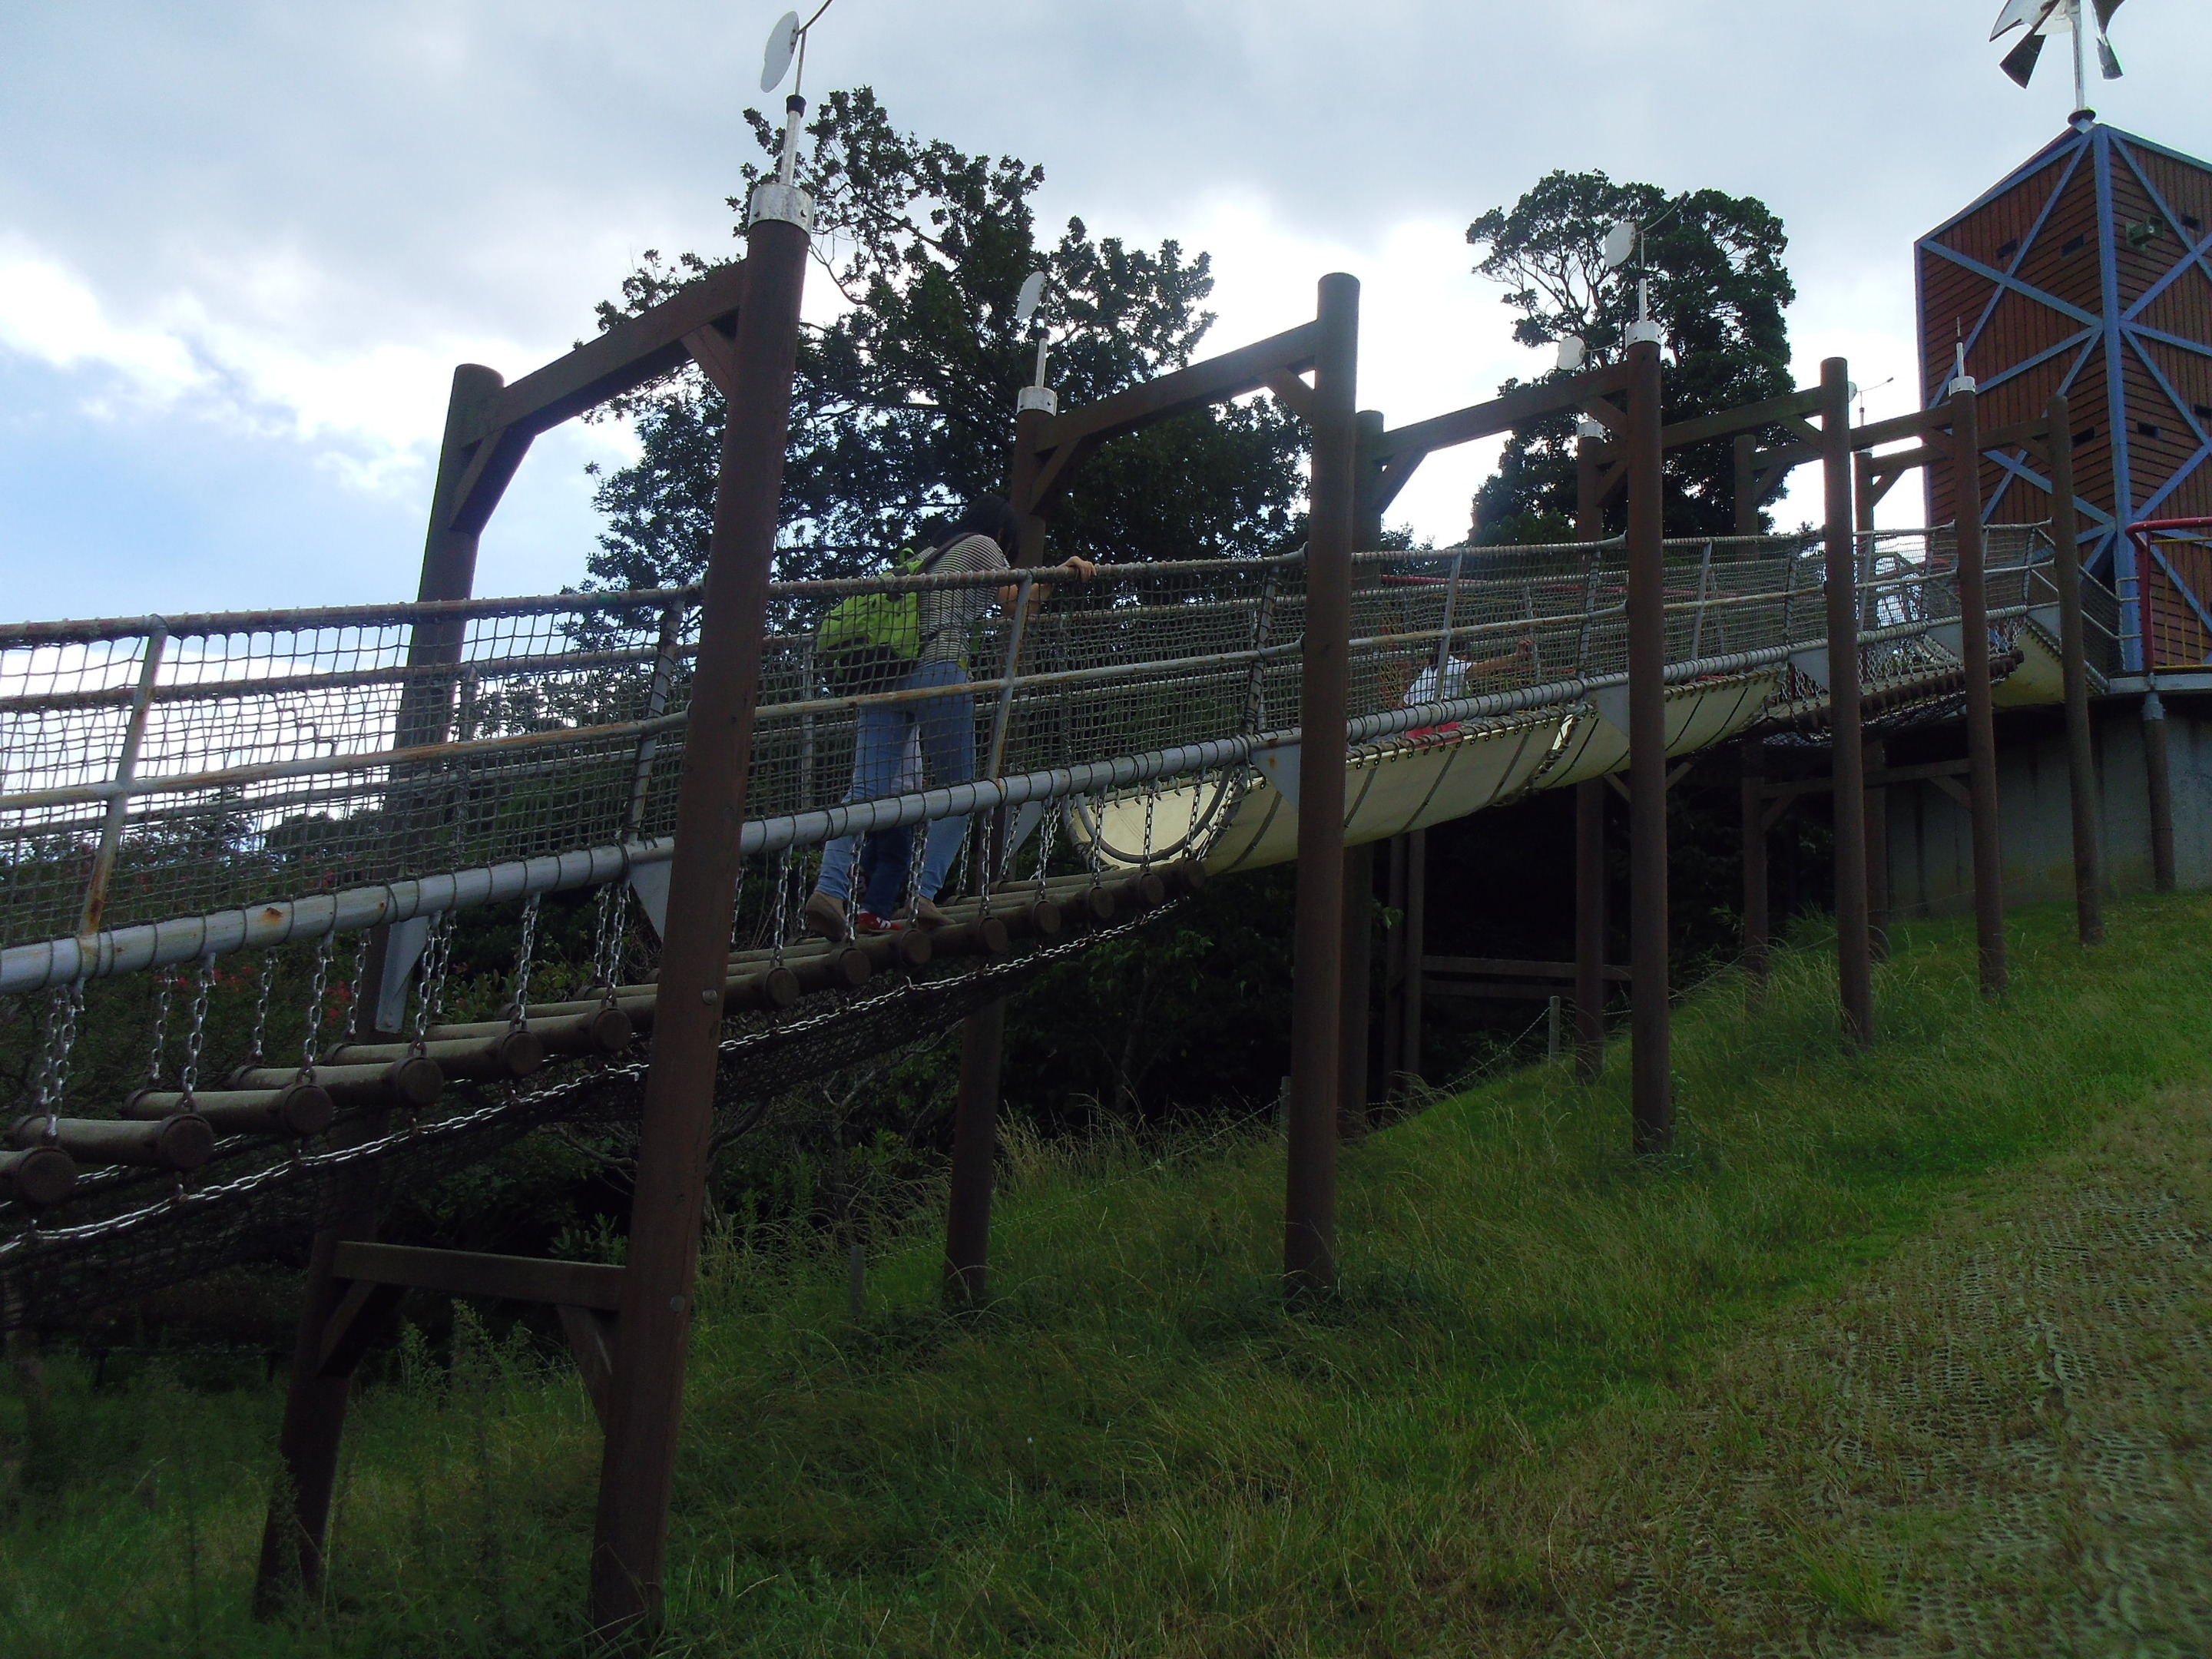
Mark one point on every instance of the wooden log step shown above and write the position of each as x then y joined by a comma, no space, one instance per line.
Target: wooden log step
908,948
769,990
846,967
499,1058
988,936
593,1028
1034,918
414,1081
41,1175
299,1109
182,1141
764,987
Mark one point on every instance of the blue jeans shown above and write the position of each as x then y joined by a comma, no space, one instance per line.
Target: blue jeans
948,748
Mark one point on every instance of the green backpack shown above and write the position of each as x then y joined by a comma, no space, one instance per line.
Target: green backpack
868,641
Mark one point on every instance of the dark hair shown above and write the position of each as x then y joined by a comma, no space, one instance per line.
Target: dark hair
989,516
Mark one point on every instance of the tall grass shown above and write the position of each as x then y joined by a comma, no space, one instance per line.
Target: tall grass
1135,1449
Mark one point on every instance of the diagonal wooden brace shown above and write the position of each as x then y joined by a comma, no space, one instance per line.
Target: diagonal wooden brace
591,1336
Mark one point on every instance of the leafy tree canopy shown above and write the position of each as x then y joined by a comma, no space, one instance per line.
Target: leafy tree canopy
905,403
1718,288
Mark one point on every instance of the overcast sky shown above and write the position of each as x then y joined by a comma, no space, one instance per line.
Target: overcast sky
242,245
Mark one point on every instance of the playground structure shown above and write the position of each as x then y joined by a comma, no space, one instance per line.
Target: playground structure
181,791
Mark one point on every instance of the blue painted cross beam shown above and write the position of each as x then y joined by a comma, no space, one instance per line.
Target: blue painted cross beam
2043,18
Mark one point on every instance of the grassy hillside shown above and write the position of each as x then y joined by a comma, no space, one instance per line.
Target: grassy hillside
1136,1451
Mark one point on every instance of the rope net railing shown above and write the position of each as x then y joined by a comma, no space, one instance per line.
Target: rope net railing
276,783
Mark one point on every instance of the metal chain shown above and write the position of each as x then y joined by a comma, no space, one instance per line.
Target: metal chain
607,933
779,909
1152,800
518,1015
53,1070
164,984
1097,872
353,990
1047,833
196,1033
430,991
309,1043
956,880
261,1006
542,1107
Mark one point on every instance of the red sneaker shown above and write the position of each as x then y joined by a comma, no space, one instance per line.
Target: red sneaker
867,922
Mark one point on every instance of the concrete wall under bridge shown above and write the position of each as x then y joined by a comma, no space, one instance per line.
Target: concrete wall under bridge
1930,857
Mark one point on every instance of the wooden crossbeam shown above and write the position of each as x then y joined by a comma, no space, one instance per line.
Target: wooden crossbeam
1516,408
1877,778
1493,990
376,1276
1785,410
627,356
466,1273
624,358
1507,967
1063,443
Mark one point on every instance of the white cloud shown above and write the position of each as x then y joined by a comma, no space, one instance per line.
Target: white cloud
48,315
369,415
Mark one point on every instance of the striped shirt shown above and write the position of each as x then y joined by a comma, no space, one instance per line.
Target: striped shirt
948,615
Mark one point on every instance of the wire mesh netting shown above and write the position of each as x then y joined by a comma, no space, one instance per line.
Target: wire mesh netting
156,771
138,1229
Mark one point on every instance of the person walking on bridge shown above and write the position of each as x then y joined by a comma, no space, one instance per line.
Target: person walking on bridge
933,655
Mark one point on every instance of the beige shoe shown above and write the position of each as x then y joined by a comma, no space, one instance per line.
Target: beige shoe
825,916
922,913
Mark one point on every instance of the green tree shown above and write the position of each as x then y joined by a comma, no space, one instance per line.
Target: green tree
1718,288
904,403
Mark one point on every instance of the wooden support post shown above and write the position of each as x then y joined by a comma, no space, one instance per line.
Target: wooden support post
1877,846
1589,825
1394,966
1854,969
676,1122
1309,1186
1589,928
983,1034
1864,497
1354,990
2080,757
974,1154
1981,722
293,1535
1415,946
2158,777
1758,935
1651,1089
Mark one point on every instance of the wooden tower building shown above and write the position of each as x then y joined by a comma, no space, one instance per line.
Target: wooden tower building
2089,270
